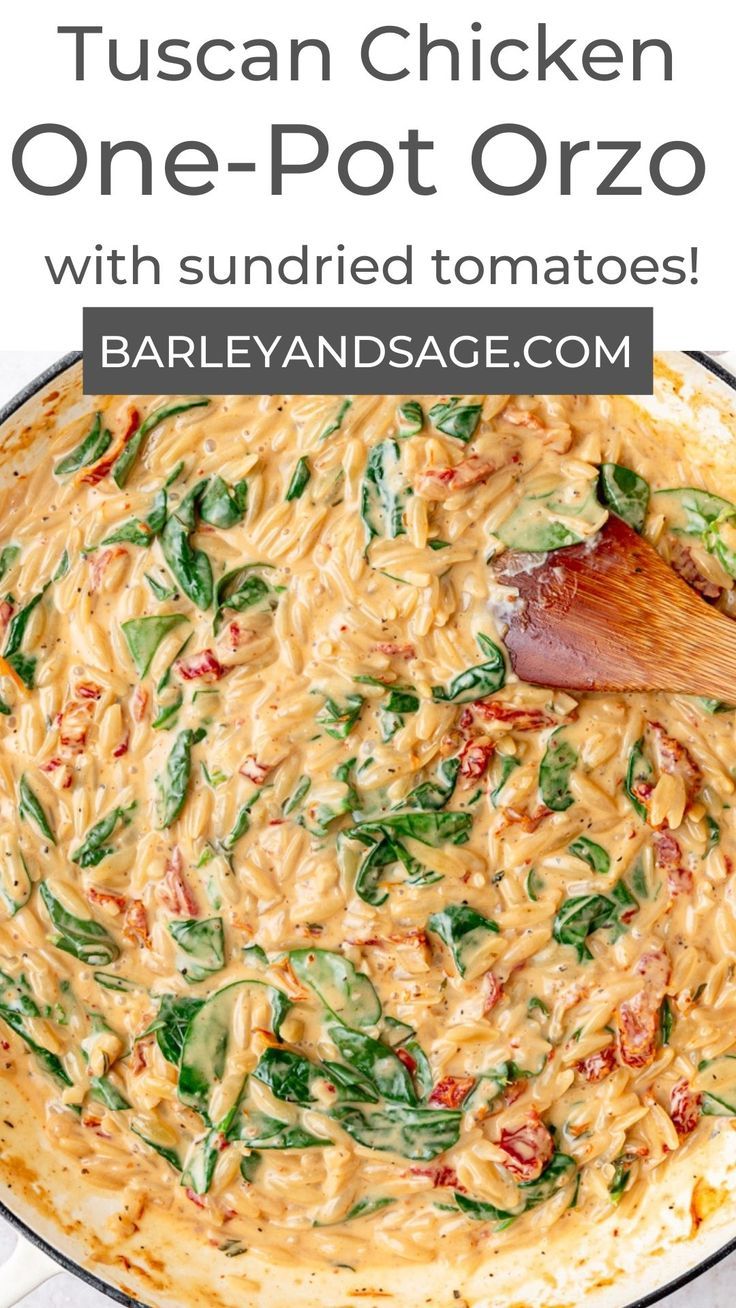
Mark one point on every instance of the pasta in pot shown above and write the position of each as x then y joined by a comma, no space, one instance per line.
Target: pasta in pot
310,908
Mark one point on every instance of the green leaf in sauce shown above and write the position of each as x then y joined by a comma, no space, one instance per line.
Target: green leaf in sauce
83,938
714,833
465,932
410,418
242,588
23,664
334,424
51,1063
94,847
8,558
202,940
429,828
92,448
222,505
434,795
104,1091
142,531
476,682
190,567
345,992
300,791
172,784
175,1012
165,1151
555,770
125,462
507,764
159,590
377,1062
456,418
639,773
144,635
541,522
383,492
534,884
719,1086
594,855
30,809
262,1132
338,719
420,1134
625,493
299,480
207,1038
15,882
691,512
581,915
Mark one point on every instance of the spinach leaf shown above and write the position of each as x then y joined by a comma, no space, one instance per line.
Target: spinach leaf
207,1038
8,558
594,855
481,1211
175,1012
478,681
242,588
82,938
581,915
262,1132
288,1075
666,1021
5,709
389,852
346,993
15,882
62,567
555,769
222,505
639,773
23,664
464,931
203,941
720,1101
420,1134
104,1091
334,424
377,1062
109,981
160,591
190,567
625,493
94,849
429,828
541,521
364,1208
300,791
50,1063
534,884
165,1151
433,795
411,418
144,635
714,833
142,531
30,809
691,512
339,720
199,1168
507,766
455,418
92,448
382,493
299,480
125,462
621,1176
172,784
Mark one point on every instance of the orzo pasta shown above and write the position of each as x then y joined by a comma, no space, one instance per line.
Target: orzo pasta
311,909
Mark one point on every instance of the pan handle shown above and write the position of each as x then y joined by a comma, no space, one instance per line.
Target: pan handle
26,1268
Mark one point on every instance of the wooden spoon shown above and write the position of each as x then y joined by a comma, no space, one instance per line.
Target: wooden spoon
612,615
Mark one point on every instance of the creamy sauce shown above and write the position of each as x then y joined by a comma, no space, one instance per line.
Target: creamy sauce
429,1075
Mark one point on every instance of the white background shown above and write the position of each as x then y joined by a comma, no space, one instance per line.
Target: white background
37,84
